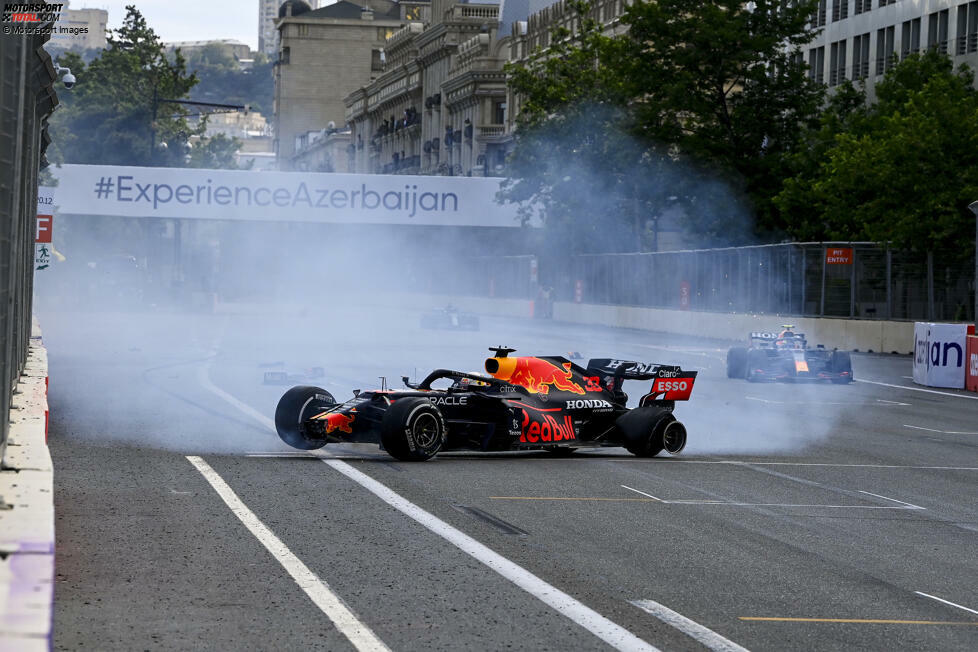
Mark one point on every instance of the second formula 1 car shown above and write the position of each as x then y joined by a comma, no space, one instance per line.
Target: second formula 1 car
520,403
449,318
787,356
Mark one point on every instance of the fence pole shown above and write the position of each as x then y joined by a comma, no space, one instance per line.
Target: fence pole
822,308
804,278
889,283
852,286
930,286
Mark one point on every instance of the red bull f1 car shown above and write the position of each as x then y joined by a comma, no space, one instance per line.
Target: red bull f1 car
520,403
787,356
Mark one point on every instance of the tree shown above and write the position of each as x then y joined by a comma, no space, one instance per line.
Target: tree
902,170
720,84
574,160
216,152
108,117
222,79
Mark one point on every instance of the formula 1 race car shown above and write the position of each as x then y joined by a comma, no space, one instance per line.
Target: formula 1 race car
787,356
520,403
450,318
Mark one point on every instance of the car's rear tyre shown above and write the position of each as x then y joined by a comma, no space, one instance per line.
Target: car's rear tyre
756,359
736,362
841,362
413,430
297,405
641,430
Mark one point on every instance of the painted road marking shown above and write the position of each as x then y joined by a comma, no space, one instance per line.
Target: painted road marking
611,633
943,432
858,621
915,389
710,639
908,505
581,498
772,401
948,602
652,499
643,493
318,591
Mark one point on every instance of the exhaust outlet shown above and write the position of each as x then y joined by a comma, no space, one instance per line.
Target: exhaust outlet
674,437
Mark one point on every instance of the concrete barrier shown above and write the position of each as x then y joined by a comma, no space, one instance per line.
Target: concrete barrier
27,514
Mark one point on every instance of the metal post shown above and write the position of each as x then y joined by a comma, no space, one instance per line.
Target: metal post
930,286
889,283
788,264
804,278
852,285
822,308
974,209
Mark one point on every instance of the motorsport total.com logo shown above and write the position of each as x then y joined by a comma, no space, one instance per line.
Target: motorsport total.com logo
31,12
410,201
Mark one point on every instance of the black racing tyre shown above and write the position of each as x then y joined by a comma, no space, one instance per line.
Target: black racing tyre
839,362
641,430
413,430
297,405
756,359
737,362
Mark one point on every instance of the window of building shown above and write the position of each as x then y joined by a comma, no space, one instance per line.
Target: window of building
883,3
884,49
967,38
376,61
816,64
840,10
910,43
498,113
837,63
819,18
284,56
937,31
302,30
860,56
862,6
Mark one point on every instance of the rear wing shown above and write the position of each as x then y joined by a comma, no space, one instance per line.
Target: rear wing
669,382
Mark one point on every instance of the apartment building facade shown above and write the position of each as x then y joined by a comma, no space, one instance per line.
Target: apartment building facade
860,40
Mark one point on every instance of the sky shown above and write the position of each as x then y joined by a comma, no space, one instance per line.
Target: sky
187,20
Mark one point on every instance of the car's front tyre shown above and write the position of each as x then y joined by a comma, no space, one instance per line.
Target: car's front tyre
297,405
413,430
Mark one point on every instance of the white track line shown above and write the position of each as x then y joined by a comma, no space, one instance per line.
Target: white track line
704,635
908,505
643,493
329,603
943,432
614,635
915,389
934,597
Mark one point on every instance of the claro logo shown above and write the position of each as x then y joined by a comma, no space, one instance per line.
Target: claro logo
934,353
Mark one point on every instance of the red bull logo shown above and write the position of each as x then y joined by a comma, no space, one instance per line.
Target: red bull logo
339,421
535,374
547,429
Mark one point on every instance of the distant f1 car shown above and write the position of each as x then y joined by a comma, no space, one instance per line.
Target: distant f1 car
787,356
450,318
520,403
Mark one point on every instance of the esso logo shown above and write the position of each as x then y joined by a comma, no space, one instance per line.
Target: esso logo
673,386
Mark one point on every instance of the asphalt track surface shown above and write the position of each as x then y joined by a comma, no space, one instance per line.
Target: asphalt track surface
800,517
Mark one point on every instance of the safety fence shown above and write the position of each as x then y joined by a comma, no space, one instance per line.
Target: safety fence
26,99
859,280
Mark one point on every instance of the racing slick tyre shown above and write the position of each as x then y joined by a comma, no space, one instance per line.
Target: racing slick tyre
295,406
413,430
756,359
641,430
737,362
841,362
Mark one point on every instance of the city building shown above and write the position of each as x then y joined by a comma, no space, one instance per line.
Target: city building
862,39
324,55
267,17
79,29
322,151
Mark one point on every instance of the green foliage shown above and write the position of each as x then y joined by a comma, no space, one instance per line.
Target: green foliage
698,101
223,81
108,117
216,152
902,170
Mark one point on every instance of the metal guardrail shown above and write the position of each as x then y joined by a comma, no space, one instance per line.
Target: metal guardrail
26,99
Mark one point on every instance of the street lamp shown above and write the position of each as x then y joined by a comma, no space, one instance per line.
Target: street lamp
974,209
